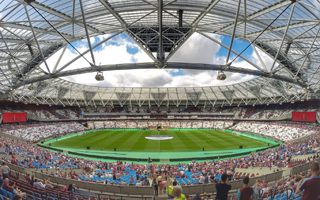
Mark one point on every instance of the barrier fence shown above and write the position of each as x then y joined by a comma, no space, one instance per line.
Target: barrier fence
303,167
145,191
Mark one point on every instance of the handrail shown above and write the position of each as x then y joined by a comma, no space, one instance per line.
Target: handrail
145,191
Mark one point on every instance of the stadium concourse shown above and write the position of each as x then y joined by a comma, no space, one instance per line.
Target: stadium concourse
159,99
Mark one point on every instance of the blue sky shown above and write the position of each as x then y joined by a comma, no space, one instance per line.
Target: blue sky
238,46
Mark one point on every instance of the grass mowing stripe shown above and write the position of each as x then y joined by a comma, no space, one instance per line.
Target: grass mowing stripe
141,144
179,143
98,137
207,139
134,140
166,145
224,140
121,141
187,141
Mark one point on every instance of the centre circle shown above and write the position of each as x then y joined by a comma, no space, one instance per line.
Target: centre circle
159,137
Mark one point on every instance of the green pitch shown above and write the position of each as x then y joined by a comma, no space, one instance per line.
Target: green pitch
134,140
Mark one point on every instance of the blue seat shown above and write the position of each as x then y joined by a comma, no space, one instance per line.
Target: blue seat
6,193
3,192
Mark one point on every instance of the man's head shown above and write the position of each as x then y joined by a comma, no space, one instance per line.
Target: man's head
6,180
246,180
315,169
224,178
175,183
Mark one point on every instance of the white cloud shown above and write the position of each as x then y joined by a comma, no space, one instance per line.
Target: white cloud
197,49
267,61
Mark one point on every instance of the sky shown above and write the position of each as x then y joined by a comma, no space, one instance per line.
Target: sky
122,49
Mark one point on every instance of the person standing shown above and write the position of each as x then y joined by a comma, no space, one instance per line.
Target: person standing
311,186
155,186
246,192
223,188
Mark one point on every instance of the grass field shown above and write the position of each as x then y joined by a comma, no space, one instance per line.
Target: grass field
134,140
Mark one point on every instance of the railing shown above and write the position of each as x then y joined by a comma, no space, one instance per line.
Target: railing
133,190
303,167
148,192
210,188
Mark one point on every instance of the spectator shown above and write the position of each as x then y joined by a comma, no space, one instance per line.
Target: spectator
311,186
5,170
12,188
6,185
155,186
71,188
223,188
171,188
38,184
131,180
246,192
177,193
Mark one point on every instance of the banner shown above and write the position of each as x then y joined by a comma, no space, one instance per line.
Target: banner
14,117
304,116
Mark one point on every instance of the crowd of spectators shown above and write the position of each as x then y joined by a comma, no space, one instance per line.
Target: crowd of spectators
300,139
210,124
278,130
24,154
36,132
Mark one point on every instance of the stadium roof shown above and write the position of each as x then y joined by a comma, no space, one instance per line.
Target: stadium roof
287,31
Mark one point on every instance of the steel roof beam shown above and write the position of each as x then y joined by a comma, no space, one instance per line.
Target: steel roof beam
85,52
284,37
307,53
212,4
261,12
169,65
233,31
36,29
107,5
160,56
281,28
87,32
54,12
233,51
19,41
36,39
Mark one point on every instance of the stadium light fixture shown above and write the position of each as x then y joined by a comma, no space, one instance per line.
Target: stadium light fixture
221,76
99,76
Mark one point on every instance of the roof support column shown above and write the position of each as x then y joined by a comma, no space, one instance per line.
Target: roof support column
87,32
284,37
233,32
36,39
309,50
160,55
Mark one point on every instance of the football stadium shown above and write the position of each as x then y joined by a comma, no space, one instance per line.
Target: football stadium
160,99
